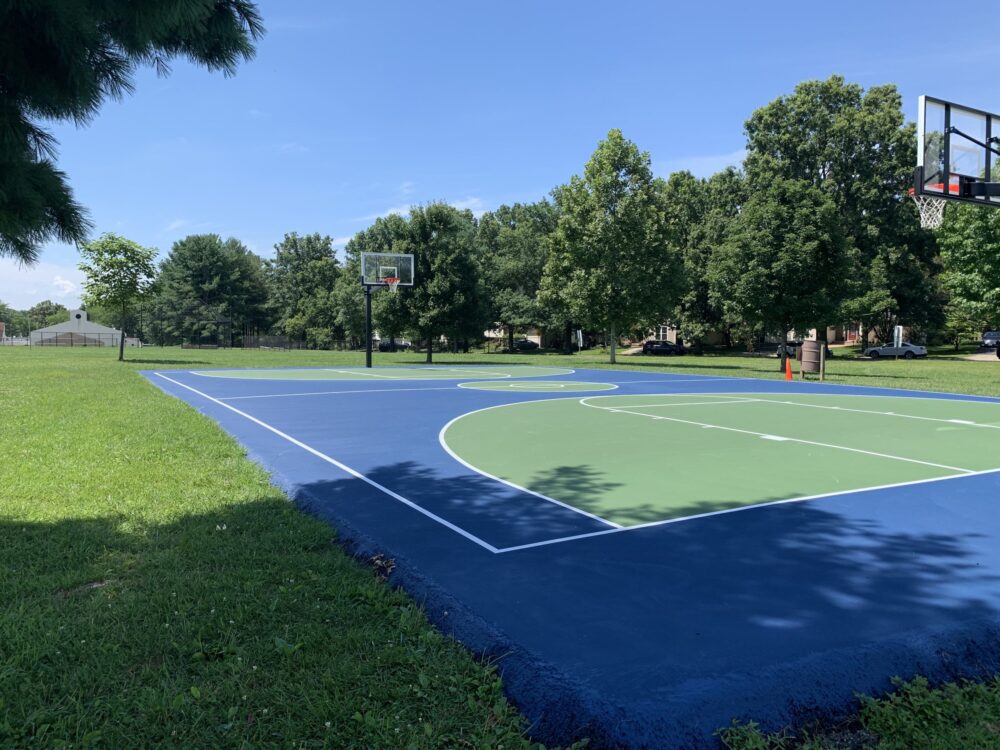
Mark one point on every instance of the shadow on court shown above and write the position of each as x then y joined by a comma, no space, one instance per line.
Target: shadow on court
666,633
498,514
582,486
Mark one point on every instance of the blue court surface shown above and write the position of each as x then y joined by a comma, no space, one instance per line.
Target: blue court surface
648,556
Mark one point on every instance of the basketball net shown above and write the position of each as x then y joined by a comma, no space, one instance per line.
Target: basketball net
931,209
392,282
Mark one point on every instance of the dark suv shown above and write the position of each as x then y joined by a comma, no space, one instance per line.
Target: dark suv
663,347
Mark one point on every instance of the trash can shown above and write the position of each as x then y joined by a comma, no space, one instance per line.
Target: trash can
810,355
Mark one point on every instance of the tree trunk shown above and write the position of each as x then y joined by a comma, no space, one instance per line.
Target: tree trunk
510,338
121,338
430,347
614,342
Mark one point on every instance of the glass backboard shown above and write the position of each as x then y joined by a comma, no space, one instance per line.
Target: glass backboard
958,152
377,267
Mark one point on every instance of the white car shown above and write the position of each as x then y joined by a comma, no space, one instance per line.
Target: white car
991,338
906,351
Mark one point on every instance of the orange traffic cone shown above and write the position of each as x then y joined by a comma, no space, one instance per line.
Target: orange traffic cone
788,368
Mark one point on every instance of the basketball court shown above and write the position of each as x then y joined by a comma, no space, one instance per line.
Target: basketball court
650,555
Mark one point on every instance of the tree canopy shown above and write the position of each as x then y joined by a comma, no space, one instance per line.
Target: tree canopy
784,264
445,298
969,239
207,286
60,61
611,259
854,146
301,278
512,247
47,313
119,273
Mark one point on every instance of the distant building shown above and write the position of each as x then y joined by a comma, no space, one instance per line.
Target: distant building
77,331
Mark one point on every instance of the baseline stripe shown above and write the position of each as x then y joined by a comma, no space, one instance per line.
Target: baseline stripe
334,393
341,466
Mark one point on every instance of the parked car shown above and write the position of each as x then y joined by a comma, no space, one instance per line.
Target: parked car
906,351
525,345
387,346
663,347
991,338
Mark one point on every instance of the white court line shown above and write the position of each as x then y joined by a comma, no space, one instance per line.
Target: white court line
334,393
787,501
583,401
466,464
341,466
882,413
700,379
362,372
487,373
682,403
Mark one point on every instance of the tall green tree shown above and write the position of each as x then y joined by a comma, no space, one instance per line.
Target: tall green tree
119,272
855,146
47,313
969,239
784,263
445,298
611,261
705,214
302,277
207,286
15,321
60,60
513,245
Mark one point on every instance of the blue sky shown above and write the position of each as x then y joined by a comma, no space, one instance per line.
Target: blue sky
354,109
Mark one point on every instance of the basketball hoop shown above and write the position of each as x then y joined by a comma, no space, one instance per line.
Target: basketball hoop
931,209
392,282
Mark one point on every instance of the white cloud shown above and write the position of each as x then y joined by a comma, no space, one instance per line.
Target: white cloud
341,241
65,287
472,203
700,166
24,287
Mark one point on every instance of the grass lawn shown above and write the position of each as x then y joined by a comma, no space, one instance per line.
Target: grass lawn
158,591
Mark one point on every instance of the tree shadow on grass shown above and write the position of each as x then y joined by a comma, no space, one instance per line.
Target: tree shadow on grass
240,626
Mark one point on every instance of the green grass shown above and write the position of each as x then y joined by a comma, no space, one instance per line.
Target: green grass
955,716
159,592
